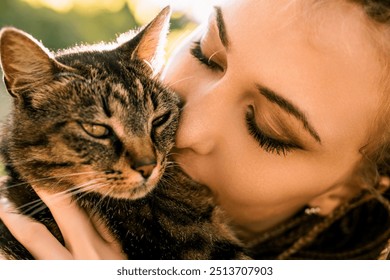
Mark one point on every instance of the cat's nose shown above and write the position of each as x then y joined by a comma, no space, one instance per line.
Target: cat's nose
145,167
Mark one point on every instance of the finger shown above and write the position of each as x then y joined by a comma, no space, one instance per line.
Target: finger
102,229
75,225
34,236
84,238
113,248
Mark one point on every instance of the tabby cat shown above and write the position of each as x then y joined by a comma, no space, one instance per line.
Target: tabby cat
94,122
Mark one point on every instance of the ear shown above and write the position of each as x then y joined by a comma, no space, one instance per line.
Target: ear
327,202
25,62
151,41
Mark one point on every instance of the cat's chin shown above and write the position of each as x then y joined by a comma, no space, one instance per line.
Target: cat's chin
133,193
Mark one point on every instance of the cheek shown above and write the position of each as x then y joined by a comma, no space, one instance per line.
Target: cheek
247,176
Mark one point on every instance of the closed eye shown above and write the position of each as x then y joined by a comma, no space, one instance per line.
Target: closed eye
267,143
197,53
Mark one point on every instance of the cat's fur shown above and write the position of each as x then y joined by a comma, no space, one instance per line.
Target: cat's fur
96,123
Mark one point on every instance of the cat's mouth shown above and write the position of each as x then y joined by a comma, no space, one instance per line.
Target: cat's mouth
128,184
120,182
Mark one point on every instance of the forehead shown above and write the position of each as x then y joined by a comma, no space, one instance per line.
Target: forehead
317,54
331,26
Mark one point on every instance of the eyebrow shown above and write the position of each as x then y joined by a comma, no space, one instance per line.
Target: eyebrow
289,108
221,27
267,93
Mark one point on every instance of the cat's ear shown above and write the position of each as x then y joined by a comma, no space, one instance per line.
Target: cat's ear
151,41
25,61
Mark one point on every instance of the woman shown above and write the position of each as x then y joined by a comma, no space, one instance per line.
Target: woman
285,119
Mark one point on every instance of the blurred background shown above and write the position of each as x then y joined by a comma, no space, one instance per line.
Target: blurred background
63,23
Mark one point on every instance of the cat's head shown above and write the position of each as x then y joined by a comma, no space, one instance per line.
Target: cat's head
91,118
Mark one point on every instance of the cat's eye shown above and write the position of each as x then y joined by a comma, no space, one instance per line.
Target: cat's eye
95,130
197,53
159,121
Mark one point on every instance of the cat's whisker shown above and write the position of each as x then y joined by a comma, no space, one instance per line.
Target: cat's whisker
168,178
85,192
171,162
42,206
36,206
105,196
170,166
171,154
88,189
181,80
79,188
32,205
181,164
38,202
213,54
31,182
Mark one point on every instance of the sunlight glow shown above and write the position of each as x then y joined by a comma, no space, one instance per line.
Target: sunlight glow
87,6
144,9
197,10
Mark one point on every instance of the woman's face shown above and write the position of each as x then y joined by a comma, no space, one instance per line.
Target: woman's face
279,98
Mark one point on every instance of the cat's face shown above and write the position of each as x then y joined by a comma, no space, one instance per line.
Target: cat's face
115,133
88,120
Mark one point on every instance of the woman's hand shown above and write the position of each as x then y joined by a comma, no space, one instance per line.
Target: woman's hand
85,238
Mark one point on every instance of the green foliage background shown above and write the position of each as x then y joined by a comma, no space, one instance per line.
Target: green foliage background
61,30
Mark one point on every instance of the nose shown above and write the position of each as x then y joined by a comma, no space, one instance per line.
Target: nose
145,167
203,121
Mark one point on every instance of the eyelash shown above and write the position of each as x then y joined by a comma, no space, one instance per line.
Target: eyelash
197,53
268,144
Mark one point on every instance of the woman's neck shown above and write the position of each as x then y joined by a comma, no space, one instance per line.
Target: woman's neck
249,231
